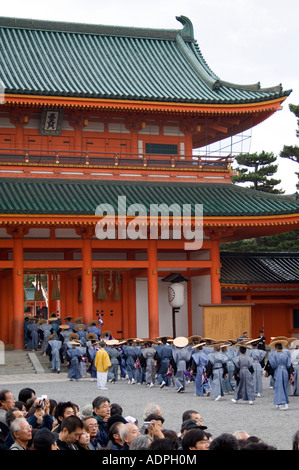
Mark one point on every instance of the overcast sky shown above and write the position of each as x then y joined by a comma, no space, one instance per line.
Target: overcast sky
243,41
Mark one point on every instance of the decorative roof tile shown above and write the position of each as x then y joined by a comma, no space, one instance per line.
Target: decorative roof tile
75,197
109,62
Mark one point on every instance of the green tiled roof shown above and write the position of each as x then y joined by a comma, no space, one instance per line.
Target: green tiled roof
77,197
109,62
259,268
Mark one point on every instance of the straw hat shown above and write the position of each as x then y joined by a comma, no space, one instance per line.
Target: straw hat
75,343
73,336
180,341
91,336
79,327
53,336
159,338
111,342
193,338
198,345
42,321
283,342
93,322
79,320
295,343
64,327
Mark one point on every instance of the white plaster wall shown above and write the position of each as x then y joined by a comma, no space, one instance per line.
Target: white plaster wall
165,311
201,294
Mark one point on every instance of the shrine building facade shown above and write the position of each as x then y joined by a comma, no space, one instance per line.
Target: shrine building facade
104,116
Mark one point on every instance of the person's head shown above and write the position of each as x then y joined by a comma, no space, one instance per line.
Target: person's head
114,432
84,438
151,408
172,436
296,441
44,439
116,409
278,347
63,410
195,439
25,394
101,407
225,441
13,414
21,431
141,442
240,434
128,432
192,414
190,424
242,350
155,418
21,406
7,400
91,426
71,429
161,444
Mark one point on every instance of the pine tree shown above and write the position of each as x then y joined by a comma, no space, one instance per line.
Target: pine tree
262,167
289,151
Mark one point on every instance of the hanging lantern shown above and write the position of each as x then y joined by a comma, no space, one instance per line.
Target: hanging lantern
176,294
38,293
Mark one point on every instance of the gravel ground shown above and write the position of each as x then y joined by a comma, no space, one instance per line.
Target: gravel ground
261,419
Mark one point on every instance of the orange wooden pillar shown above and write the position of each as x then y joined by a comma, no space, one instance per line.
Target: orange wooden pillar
152,278
18,292
87,294
215,272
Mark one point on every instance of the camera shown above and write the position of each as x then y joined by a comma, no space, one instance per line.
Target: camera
147,424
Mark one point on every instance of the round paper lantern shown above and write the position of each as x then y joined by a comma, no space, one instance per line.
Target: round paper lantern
176,294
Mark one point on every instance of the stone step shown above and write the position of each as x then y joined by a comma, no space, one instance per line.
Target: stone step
16,362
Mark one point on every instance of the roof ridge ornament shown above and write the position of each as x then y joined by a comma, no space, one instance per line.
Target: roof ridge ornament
187,32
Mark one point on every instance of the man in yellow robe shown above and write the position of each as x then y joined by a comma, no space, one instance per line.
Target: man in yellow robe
102,364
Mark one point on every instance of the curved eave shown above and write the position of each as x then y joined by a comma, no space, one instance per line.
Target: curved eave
143,106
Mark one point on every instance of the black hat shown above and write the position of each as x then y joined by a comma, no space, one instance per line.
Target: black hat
44,438
191,424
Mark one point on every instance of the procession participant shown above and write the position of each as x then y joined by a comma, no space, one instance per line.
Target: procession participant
102,363
295,364
163,357
115,357
55,324
44,331
74,355
92,347
198,368
180,356
54,352
32,331
149,353
216,369
93,327
280,362
229,384
68,322
140,362
244,376
80,329
258,357
130,353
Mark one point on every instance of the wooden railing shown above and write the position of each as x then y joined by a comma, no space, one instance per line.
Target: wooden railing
111,159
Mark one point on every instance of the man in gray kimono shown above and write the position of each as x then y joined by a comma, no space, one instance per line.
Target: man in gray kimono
244,377
216,370
180,356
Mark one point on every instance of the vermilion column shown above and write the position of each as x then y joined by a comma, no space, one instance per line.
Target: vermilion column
153,300
18,292
87,294
215,273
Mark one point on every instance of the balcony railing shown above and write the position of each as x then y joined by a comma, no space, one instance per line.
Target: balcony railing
112,159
